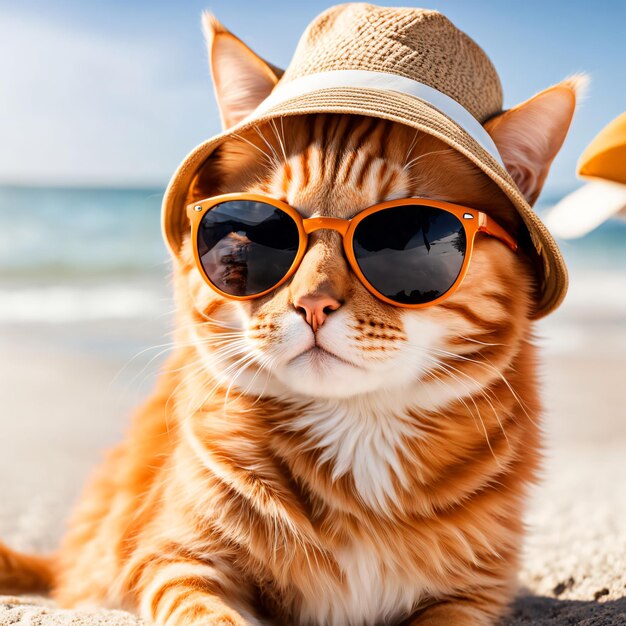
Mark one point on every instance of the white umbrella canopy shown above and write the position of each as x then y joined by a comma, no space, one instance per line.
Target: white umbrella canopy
603,163
585,209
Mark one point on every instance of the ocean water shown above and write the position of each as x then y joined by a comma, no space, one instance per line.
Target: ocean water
71,254
55,233
74,254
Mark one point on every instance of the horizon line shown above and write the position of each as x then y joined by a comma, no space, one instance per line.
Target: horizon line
95,185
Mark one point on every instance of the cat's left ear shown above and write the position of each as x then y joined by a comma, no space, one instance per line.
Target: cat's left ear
530,135
242,79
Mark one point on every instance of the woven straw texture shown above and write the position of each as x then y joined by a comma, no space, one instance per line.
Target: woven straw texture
416,43
395,36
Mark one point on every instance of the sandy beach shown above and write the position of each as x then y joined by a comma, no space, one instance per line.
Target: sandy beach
102,103
67,390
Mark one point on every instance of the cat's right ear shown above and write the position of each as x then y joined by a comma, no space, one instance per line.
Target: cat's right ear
242,79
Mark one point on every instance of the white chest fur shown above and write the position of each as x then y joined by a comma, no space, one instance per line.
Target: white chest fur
371,592
364,437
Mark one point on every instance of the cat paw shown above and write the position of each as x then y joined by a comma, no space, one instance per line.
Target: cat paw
200,616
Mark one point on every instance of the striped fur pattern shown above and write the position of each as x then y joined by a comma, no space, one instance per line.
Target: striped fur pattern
268,482
21,573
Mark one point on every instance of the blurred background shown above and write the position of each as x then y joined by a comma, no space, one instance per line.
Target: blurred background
100,101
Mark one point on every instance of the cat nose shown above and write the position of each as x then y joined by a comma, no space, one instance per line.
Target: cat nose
315,308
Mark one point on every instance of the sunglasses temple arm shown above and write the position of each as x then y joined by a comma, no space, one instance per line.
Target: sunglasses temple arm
491,227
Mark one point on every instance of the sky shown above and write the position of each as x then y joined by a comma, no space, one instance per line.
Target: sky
117,92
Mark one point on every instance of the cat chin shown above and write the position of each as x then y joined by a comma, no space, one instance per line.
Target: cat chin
319,374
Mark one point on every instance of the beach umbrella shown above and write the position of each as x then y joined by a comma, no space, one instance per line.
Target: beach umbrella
603,165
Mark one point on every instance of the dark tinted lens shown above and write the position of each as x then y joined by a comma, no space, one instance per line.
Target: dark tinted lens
411,254
246,247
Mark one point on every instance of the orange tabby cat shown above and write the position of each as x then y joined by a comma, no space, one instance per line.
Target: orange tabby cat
269,482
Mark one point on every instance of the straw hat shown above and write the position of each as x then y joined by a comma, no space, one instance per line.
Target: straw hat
603,164
411,66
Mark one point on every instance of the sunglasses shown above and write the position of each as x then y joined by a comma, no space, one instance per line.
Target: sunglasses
411,253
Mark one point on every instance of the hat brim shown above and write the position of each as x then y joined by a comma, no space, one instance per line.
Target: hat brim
585,209
396,107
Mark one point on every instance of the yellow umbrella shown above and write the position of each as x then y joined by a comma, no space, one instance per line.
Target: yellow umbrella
605,156
603,163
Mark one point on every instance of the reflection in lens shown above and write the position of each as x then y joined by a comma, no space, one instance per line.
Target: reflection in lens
246,247
411,254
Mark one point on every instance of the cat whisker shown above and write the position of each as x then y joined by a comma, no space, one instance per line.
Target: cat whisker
483,393
482,343
411,145
276,158
225,373
163,349
449,371
246,361
264,365
167,346
267,156
215,322
412,162
279,139
210,323
489,366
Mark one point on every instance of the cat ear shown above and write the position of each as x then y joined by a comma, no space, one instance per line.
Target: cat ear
529,135
242,80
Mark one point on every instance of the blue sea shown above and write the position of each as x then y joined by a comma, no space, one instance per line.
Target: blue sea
69,254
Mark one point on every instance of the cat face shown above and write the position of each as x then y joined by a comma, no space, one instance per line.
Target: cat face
322,334
336,166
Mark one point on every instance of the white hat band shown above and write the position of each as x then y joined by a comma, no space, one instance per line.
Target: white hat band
385,82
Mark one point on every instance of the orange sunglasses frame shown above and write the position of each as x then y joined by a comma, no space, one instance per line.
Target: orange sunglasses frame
473,221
